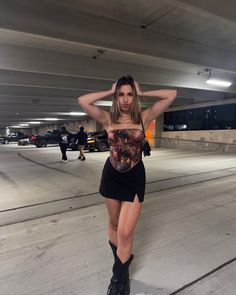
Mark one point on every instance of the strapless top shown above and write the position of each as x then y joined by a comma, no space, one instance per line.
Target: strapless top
125,147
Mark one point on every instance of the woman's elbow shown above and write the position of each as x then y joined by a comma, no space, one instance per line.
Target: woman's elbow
80,100
174,93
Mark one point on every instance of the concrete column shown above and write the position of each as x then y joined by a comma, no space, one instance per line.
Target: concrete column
159,129
98,126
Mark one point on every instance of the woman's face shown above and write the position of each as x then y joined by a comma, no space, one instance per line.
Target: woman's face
125,98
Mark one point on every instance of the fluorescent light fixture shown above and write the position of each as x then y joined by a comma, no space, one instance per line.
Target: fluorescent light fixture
35,122
15,126
24,125
77,113
51,119
220,83
104,103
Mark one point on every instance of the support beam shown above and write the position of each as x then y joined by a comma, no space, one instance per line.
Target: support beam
63,23
221,10
18,58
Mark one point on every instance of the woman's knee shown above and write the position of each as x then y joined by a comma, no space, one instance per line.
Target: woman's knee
125,235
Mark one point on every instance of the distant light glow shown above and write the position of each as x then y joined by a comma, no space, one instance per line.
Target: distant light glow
104,103
35,122
77,113
24,125
221,83
51,119
15,126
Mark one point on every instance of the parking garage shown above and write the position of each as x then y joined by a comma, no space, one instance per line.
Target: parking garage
53,221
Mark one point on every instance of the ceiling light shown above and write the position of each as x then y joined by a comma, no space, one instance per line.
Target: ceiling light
35,122
104,103
215,82
15,126
24,125
77,113
221,83
51,119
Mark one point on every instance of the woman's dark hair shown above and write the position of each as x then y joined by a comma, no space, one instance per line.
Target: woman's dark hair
135,107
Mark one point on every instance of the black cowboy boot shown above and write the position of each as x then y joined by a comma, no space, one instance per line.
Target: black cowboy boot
119,284
114,249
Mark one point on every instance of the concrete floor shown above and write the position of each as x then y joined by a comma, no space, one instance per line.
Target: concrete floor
53,224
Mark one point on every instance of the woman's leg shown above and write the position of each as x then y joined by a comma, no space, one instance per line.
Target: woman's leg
113,208
128,218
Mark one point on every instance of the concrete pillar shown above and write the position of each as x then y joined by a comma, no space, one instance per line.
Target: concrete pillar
159,129
98,127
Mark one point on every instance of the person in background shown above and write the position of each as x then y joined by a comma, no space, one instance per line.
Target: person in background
123,177
81,139
64,139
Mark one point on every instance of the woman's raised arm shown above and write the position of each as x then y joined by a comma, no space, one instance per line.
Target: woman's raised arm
166,97
87,103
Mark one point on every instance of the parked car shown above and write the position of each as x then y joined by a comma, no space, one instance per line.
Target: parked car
12,137
43,139
97,141
23,141
28,140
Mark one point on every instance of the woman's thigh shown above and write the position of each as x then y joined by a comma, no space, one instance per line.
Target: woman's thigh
129,215
113,209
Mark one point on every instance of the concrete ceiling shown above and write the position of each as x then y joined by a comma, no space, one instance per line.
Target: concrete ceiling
52,51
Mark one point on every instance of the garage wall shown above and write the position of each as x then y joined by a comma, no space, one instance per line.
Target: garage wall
88,124
217,136
204,140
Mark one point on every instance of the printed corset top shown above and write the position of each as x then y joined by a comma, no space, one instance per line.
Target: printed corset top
125,148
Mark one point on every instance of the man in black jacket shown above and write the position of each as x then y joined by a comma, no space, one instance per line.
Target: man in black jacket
82,139
64,139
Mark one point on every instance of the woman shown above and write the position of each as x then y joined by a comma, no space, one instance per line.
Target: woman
123,177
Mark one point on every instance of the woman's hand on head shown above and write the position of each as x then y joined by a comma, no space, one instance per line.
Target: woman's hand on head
138,89
113,87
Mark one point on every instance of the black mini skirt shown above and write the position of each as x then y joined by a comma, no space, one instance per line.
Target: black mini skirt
123,186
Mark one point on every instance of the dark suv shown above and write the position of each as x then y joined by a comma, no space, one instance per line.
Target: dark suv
53,137
97,141
12,137
42,140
